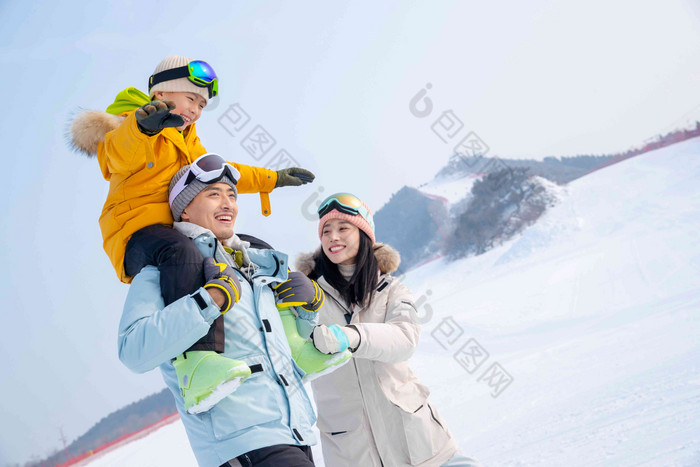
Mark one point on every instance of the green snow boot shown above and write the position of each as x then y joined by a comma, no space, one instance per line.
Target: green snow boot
309,359
205,378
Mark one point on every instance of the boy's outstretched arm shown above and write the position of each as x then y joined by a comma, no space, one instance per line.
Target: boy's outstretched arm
293,176
260,180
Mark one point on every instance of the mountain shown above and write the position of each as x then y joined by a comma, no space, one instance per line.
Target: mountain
473,204
130,419
476,203
574,342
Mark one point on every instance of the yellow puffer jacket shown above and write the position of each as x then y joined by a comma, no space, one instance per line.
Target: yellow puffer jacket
139,169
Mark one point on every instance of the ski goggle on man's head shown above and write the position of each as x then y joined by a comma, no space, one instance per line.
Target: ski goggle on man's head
199,72
348,204
209,168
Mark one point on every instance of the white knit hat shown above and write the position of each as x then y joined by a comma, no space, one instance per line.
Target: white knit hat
179,84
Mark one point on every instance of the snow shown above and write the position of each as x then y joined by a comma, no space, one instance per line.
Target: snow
167,446
592,314
452,190
219,393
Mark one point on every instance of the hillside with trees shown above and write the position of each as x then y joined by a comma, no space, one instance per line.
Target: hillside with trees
130,419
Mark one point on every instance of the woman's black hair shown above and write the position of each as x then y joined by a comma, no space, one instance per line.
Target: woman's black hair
359,290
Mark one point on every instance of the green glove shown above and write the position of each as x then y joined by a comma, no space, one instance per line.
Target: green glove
155,116
293,176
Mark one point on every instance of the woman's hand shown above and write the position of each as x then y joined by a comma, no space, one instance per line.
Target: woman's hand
333,339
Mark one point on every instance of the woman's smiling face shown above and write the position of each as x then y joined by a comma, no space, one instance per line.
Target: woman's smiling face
340,241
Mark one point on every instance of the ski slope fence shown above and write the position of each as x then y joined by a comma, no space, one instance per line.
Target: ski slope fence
122,440
668,139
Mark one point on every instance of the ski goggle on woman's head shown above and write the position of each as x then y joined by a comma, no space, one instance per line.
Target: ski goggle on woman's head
199,72
209,168
346,203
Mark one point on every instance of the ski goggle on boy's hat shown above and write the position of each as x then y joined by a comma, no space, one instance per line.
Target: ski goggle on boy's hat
198,72
347,207
190,180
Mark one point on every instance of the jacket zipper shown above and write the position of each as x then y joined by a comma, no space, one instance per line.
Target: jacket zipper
362,394
359,380
433,415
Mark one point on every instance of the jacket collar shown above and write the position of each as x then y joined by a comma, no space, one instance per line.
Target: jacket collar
191,230
335,296
181,140
270,263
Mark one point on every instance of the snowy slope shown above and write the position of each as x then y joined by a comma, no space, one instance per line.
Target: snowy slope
167,446
450,189
594,313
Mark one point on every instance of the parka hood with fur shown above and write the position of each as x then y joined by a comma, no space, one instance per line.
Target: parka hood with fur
89,127
88,130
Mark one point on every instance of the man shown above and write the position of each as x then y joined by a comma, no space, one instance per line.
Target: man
268,419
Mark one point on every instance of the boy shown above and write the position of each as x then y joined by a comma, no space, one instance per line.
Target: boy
141,142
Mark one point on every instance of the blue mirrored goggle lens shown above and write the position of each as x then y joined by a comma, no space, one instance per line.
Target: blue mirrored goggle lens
202,70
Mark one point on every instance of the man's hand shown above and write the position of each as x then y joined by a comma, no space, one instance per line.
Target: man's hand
155,116
221,278
333,339
299,290
293,176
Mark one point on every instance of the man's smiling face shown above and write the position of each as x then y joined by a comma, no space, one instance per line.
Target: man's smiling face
214,208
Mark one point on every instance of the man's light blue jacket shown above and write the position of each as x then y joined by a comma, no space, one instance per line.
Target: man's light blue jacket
271,406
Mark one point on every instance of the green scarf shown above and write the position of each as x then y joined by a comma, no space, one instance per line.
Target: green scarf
127,100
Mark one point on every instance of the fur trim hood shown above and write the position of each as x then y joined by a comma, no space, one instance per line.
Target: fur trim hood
388,259
88,130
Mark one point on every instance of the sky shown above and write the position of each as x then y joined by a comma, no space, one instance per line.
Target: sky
333,84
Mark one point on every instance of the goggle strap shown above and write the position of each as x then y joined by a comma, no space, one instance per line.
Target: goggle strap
168,75
234,179
177,189
190,178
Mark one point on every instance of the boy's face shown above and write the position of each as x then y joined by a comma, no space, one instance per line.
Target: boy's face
188,105
214,208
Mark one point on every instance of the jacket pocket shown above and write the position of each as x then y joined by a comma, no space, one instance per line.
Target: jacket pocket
255,402
425,434
338,425
338,401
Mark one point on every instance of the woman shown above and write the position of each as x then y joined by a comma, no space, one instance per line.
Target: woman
373,411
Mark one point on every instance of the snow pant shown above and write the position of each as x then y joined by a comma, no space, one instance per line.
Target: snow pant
181,273
274,456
